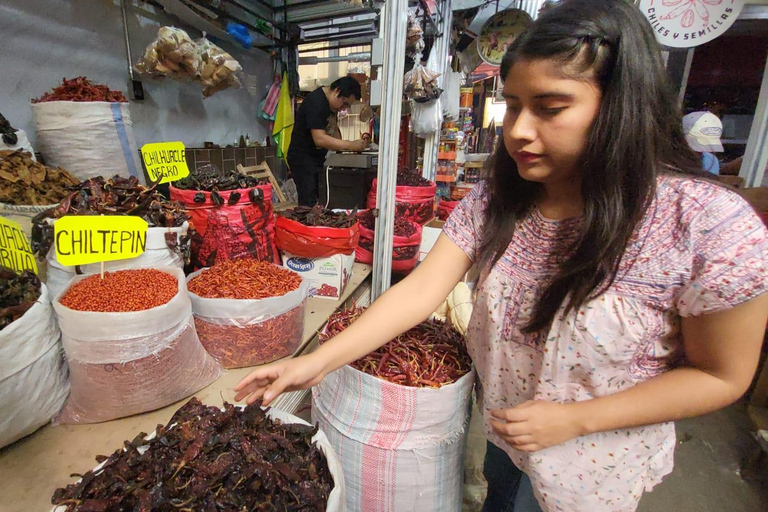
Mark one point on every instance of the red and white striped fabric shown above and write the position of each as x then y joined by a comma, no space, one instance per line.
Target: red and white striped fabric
402,448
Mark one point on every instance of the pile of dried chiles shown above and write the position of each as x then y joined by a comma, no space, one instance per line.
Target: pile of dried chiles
18,293
409,178
319,216
210,178
123,290
403,227
115,196
244,279
432,354
8,132
207,459
24,181
81,89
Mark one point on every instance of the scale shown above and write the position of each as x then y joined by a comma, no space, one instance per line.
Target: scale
348,179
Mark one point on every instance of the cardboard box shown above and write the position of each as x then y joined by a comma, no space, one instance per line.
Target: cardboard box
429,233
327,277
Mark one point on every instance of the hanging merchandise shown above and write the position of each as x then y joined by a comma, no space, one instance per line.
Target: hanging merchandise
248,312
217,68
498,32
268,107
214,458
86,129
405,246
283,128
33,373
398,418
231,214
130,343
414,43
316,232
420,83
414,196
426,118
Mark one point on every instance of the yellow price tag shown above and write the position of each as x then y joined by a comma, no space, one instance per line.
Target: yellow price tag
15,252
166,161
87,239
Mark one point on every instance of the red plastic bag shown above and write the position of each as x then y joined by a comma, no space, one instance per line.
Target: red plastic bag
314,241
405,250
414,203
445,208
245,229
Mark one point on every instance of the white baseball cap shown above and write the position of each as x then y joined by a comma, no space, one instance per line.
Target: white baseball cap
703,131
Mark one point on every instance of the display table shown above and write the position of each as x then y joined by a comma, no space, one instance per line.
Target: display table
32,468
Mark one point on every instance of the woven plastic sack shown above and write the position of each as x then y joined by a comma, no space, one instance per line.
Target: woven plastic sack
405,250
244,229
242,332
402,448
88,139
314,241
22,142
414,203
156,254
33,373
445,208
127,363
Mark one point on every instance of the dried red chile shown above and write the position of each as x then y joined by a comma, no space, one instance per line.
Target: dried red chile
319,216
403,226
206,459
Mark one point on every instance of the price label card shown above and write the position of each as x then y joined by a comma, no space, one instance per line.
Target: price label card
165,161
90,239
15,251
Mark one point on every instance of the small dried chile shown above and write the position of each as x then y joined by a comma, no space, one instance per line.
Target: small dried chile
234,197
216,198
199,198
256,195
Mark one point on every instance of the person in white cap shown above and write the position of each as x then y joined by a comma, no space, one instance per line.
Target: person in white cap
703,131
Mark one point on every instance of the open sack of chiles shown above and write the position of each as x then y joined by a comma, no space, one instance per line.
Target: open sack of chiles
175,55
24,181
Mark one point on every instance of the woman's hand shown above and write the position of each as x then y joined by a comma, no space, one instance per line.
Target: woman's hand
271,380
536,424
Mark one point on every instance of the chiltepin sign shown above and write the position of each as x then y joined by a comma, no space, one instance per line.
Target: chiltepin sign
688,23
81,240
15,252
166,161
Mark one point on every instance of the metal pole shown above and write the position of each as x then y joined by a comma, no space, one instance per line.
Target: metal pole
393,29
756,152
442,47
127,41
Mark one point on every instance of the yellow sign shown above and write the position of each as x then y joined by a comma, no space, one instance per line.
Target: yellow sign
166,161
15,252
90,239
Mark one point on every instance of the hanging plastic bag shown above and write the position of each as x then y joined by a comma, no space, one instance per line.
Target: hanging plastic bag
217,68
244,332
173,54
426,118
420,83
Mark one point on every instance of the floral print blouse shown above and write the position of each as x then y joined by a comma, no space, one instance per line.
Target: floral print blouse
699,249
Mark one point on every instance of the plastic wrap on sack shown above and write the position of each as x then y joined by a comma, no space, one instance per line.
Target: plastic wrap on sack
314,241
132,362
33,373
240,333
414,203
405,250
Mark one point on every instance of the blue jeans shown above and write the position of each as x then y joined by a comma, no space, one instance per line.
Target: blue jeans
509,489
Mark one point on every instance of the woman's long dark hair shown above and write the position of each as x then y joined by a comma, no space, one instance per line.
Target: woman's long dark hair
636,135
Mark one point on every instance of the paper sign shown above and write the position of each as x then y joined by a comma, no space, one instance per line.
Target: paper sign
15,252
166,161
689,23
81,240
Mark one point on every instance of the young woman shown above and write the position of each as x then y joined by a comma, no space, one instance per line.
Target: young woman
620,290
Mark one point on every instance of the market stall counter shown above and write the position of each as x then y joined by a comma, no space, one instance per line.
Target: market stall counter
32,468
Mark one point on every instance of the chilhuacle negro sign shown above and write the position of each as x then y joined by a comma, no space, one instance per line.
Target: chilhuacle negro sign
689,23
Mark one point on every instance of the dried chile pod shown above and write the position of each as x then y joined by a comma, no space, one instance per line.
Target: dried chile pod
216,198
256,195
10,138
234,197
199,198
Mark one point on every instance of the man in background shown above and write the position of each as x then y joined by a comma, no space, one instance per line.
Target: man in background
310,141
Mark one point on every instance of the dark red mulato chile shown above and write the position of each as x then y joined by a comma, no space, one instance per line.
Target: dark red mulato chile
432,354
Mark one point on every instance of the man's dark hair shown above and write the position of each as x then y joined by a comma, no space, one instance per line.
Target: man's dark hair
347,87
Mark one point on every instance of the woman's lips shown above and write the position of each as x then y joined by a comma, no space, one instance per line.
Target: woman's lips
525,157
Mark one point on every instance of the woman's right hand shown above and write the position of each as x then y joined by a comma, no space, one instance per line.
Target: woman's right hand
270,381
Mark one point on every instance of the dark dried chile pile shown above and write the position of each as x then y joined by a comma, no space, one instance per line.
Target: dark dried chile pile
209,178
403,227
319,216
8,132
115,196
81,89
432,354
208,460
18,293
408,178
